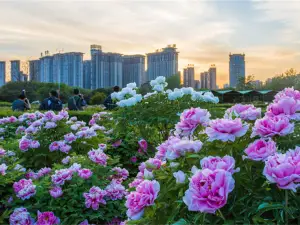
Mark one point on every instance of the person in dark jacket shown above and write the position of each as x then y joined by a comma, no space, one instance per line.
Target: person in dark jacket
21,104
52,103
108,102
76,102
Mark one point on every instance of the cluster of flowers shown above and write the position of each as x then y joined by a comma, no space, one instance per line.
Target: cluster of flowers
26,144
127,96
24,188
97,117
245,112
37,175
22,216
98,156
159,84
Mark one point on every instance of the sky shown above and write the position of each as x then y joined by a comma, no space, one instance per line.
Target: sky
205,32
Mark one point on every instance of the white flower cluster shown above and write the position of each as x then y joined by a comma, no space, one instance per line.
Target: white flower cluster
127,96
159,84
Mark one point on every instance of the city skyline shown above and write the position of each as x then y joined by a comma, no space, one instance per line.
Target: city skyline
205,32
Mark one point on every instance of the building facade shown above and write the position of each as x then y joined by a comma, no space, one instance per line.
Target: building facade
163,62
19,70
212,77
34,70
87,74
134,69
107,68
2,73
237,69
46,69
189,76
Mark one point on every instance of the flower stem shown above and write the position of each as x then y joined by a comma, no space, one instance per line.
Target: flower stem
221,214
203,222
286,207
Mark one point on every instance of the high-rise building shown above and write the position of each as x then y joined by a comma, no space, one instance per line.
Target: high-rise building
19,70
236,68
206,80
34,70
46,69
134,69
202,80
87,74
107,68
197,84
212,77
189,76
163,62
2,72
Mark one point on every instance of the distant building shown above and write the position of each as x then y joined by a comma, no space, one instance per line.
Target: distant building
226,86
202,80
134,69
107,68
236,68
46,68
87,74
257,84
189,76
212,77
197,84
163,62
2,72
19,70
206,80
34,70
268,81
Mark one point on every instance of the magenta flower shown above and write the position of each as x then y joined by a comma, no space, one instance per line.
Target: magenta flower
85,173
135,182
226,129
34,144
143,145
3,168
56,192
57,118
153,164
20,216
85,222
66,160
47,218
94,197
245,112
190,119
283,169
24,144
271,126
12,119
44,171
49,115
260,149
50,125
226,163
98,156
114,221
65,148
102,146
75,167
208,190
54,146
37,123
121,174
179,176
133,159
64,114
69,138
115,191
62,175
2,152
287,92
179,148
117,143
286,106
20,129
162,149
24,189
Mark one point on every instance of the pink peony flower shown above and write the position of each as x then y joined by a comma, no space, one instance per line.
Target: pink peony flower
2,152
92,122
135,182
153,164
66,160
69,138
24,144
143,145
133,159
190,119
85,173
34,144
260,149
245,112
121,174
54,146
226,163
12,119
115,191
114,221
3,168
31,130
85,222
49,115
47,218
286,106
62,175
271,126
75,167
179,176
50,125
24,189
98,156
179,148
117,143
65,148
20,129
94,197
102,146
162,149
20,216
44,171
145,194
56,192
208,190
287,92
226,129
283,169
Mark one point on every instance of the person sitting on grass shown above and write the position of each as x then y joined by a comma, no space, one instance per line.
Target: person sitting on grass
21,104
52,103
76,102
108,102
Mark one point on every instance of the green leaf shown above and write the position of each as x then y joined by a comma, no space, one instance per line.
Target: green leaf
181,222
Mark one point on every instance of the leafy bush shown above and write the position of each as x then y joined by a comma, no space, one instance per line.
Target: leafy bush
98,98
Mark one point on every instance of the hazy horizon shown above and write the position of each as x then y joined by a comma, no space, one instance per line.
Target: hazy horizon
205,32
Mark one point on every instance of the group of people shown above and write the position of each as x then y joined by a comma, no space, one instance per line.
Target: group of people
53,102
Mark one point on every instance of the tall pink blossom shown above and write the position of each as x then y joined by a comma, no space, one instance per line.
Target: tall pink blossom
180,148
271,126
226,129
21,216
24,189
115,191
190,119
98,156
24,144
286,106
287,92
208,190
260,149
226,163
94,197
47,218
245,112
85,173
62,175
56,192
121,174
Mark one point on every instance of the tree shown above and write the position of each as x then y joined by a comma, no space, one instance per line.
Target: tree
246,83
289,78
98,98
173,81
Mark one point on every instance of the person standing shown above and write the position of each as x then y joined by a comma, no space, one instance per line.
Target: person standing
76,102
21,104
52,103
